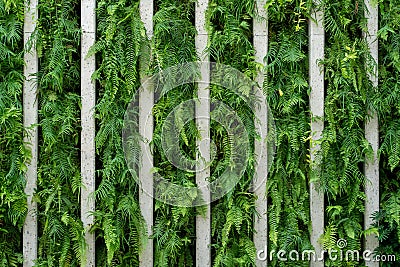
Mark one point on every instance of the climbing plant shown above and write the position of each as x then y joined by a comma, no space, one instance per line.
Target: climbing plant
14,154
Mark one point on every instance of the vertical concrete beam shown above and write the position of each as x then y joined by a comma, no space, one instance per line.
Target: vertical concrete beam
203,223
146,102
371,167
260,42
316,80
30,111
88,154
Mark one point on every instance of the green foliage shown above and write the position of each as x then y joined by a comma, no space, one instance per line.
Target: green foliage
13,152
229,26
387,101
172,44
122,63
348,96
61,241
287,90
119,227
387,221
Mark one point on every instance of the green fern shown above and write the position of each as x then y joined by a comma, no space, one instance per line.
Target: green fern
287,89
14,153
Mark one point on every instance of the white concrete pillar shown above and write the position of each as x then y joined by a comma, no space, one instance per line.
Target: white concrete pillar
260,42
203,223
146,102
88,152
316,80
30,111
371,168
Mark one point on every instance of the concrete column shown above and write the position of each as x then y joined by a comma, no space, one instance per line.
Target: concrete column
146,102
203,223
88,152
316,80
371,168
260,42
30,111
